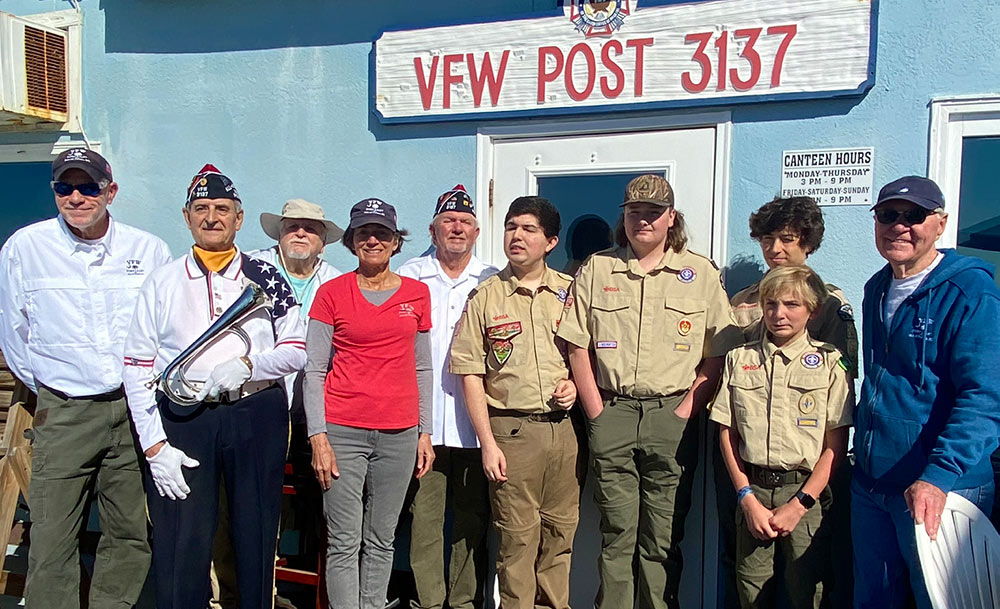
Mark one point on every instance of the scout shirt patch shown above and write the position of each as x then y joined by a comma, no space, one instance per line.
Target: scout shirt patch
501,340
807,403
684,327
812,360
606,344
682,347
807,422
561,294
846,312
686,275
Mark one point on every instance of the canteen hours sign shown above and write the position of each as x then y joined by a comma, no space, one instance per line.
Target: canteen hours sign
838,176
623,54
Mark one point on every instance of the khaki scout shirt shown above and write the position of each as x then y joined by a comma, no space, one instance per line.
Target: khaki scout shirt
649,331
834,323
508,334
782,401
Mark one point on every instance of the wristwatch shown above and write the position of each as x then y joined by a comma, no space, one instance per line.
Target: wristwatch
805,499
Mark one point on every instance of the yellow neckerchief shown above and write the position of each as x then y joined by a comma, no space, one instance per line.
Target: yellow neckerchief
214,261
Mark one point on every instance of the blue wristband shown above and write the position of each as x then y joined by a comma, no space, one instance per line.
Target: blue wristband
742,493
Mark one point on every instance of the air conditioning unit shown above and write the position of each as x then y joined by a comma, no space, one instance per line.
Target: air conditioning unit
34,87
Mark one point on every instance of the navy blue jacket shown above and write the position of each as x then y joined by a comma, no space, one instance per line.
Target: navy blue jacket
930,402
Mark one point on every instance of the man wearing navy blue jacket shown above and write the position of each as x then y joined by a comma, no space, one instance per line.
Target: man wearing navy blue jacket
929,414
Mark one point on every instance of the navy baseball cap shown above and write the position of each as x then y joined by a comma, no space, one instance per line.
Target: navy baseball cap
915,189
373,211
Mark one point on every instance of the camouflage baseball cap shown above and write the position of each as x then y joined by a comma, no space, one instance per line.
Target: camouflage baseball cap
649,188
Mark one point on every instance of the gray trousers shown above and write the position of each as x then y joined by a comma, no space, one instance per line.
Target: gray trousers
362,508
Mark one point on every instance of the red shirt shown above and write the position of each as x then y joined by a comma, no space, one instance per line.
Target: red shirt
372,383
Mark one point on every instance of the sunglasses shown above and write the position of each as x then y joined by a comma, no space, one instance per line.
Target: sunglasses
64,189
917,215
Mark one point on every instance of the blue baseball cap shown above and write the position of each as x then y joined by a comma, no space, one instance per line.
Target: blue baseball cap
373,211
915,189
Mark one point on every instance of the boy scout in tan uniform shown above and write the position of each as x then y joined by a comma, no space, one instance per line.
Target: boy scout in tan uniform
647,333
506,340
782,402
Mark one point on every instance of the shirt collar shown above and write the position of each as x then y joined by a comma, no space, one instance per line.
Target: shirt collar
430,266
231,272
790,351
511,282
626,261
75,244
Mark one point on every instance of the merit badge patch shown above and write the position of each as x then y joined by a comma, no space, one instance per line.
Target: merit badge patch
501,340
594,18
684,327
606,344
562,294
686,275
846,312
812,360
807,403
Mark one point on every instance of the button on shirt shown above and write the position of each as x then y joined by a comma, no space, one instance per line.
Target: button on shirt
179,302
452,426
649,331
65,303
508,334
783,400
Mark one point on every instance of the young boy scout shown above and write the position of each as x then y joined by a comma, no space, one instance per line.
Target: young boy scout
789,230
784,410
517,391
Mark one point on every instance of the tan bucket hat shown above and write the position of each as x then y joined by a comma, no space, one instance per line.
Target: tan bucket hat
299,209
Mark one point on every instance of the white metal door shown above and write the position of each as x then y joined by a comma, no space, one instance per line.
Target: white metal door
600,165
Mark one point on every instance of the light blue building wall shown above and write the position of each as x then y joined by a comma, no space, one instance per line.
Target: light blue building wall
277,95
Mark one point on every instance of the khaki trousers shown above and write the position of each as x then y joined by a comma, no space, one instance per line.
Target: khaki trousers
84,447
456,477
805,552
643,457
536,510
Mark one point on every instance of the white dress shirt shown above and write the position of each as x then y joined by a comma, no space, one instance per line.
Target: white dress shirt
178,303
452,426
324,272
66,303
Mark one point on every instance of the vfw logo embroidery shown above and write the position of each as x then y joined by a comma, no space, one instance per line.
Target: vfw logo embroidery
599,18
133,267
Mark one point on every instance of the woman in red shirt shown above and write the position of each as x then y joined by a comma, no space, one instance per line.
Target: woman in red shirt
368,404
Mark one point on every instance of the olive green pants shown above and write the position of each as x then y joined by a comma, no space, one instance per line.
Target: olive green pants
805,552
643,458
456,477
535,512
81,448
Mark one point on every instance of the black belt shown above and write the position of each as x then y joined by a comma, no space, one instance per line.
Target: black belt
774,478
110,396
539,417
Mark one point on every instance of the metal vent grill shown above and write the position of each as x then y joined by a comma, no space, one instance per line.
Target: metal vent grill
45,69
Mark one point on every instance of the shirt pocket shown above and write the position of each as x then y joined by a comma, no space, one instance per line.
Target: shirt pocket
609,316
748,397
57,310
683,323
808,412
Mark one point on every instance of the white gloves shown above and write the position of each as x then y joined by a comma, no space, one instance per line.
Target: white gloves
225,377
165,466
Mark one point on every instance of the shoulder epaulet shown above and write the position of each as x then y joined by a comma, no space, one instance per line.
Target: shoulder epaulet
823,346
564,276
706,258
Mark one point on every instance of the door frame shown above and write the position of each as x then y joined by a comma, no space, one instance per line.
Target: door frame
952,119
487,138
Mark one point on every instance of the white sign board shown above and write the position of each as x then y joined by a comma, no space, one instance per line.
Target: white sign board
837,176
598,56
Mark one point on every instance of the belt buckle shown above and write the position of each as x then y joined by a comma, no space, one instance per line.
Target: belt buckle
773,479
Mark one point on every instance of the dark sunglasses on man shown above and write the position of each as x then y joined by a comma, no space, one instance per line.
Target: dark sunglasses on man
88,189
910,217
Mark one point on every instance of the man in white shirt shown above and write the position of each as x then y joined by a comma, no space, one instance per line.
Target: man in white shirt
68,286
451,271
236,428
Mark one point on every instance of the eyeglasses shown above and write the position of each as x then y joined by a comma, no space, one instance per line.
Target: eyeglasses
65,189
916,215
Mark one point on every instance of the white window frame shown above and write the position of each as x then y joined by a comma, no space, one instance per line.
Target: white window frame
487,137
952,119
